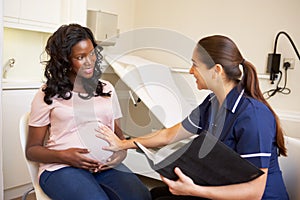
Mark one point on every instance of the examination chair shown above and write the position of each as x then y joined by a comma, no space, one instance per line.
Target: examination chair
32,166
290,167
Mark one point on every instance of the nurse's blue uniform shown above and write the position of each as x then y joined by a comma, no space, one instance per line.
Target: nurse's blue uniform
248,127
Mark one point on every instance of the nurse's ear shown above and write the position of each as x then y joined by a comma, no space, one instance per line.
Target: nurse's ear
217,71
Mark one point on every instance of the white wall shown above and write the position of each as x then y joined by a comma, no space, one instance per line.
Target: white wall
253,25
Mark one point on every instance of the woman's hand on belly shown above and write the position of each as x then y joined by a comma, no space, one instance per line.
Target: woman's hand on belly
76,157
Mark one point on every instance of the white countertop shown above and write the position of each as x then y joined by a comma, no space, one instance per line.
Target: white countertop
14,84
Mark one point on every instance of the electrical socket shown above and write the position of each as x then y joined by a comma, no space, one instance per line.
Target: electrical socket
291,61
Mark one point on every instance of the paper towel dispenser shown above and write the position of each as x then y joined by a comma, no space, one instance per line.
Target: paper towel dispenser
104,26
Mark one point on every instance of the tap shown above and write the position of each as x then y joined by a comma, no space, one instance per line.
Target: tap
10,64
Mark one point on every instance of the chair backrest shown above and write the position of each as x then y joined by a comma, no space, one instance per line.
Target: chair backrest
290,167
32,166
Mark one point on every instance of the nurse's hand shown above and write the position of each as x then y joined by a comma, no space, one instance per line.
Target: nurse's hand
105,133
182,186
114,160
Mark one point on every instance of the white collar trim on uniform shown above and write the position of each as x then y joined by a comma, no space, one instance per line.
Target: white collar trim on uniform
237,101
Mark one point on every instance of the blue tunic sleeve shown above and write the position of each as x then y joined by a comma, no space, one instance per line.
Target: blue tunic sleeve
255,134
199,119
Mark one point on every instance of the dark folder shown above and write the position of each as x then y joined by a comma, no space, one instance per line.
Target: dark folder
206,160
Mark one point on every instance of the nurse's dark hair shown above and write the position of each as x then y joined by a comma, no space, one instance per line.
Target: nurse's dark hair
221,50
58,66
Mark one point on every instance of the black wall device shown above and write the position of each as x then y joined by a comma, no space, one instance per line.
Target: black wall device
273,65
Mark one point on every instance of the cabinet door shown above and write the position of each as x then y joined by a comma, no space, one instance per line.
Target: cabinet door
12,10
35,15
43,15
74,11
37,11
14,104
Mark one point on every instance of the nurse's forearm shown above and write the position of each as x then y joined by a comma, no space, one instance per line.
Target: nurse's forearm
159,138
249,190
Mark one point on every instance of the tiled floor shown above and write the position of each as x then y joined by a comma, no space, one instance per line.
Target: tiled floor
147,181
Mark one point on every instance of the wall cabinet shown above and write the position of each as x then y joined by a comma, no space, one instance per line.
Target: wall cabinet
12,9
44,16
74,11
32,14
103,25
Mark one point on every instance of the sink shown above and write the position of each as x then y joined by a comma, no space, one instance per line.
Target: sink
10,84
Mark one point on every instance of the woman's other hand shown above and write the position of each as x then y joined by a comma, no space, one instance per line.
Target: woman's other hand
105,133
114,160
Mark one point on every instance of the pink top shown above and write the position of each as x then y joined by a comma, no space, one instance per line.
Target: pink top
65,116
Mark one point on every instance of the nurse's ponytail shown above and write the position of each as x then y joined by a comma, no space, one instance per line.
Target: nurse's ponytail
250,83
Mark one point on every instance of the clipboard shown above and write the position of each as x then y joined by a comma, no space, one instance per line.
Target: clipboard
206,160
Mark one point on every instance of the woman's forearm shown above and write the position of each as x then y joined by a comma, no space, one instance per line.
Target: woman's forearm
43,155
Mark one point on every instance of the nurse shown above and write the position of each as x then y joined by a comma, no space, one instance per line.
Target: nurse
236,112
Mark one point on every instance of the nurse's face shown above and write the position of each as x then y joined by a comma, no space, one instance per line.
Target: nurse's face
83,59
200,72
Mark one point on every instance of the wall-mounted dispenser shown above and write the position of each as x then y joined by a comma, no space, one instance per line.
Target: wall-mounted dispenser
104,26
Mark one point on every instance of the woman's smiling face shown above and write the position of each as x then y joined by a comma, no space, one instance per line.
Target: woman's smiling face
83,59
200,71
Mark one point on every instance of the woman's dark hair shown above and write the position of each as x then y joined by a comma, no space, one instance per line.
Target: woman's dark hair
59,48
221,50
